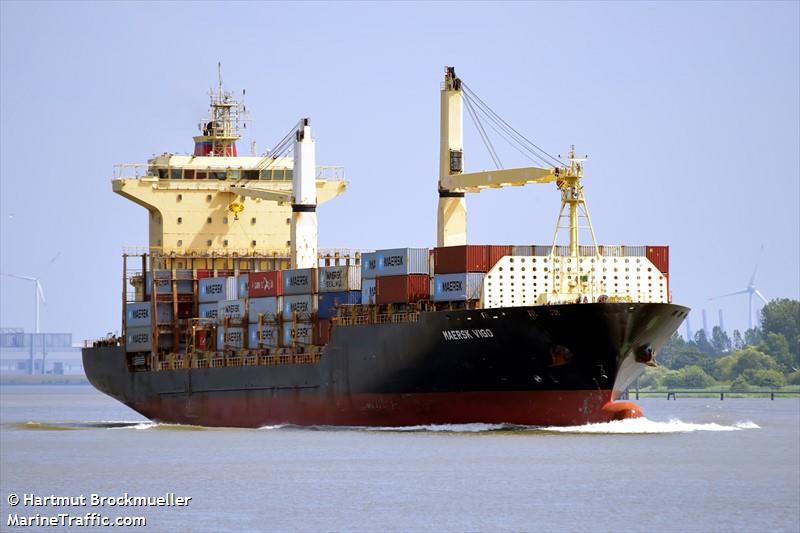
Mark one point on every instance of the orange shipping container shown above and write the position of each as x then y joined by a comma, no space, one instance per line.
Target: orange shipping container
659,256
402,289
458,259
496,252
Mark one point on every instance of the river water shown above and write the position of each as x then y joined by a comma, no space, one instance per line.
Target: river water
692,465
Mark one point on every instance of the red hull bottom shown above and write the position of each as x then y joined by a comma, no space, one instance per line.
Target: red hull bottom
542,408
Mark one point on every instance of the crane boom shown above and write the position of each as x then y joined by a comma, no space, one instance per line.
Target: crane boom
495,179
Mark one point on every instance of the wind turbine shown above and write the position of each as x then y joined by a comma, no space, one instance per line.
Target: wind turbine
750,290
38,294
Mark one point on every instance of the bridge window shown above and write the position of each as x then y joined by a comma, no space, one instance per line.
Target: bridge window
250,174
217,175
188,174
176,173
200,175
234,174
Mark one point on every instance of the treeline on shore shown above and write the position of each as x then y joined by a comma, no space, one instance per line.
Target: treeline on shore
765,357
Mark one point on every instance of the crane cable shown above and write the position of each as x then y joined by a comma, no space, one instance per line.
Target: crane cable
519,138
487,142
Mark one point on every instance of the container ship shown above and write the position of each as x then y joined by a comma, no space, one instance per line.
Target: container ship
232,316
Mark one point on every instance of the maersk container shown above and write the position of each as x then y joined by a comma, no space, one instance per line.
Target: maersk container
368,291
231,288
138,314
243,286
339,278
329,301
138,339
232,309
394,262
457,287
230,338
269,306
465,258
163,282
209,310
268,336
299,333
304,304
211,290
402,289
300,281
264,284
526,251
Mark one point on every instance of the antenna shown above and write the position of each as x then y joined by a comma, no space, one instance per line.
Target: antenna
219,75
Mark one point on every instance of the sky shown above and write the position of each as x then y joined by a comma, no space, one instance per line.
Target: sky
688,112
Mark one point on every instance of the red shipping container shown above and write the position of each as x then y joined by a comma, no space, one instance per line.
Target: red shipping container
496,252
402,289
201,340
204,274
659,256
457,259
265,284
322,332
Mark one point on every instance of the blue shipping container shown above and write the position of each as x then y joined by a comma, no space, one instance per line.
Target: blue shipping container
211,290
208,310
243,286
329,301
394,262
368,291
457,287
268,306
300,281
268,337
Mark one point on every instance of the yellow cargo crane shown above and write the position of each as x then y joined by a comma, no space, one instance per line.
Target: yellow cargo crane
454,183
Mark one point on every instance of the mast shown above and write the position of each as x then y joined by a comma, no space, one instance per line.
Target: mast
452,211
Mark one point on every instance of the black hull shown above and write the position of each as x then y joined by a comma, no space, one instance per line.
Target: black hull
531,365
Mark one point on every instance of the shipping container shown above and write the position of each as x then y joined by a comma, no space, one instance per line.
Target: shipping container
139,339
457,287
163,282
185,310
208,310
339,278
524,250
184,274
242,290
268,336
368,291
231,309
269,307
138,314
304,304
456,259
201,338
211,290
300,281
402,289
204,274
300,333
496,252
659,256
329,301
322,332
394,262
231,288
541,249
264,284
230,338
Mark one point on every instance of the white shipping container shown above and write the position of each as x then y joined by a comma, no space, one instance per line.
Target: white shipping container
339,278
525,251
208,310
268,337
368,291
232,288
233,309
235,338
299,281
269,306
300,333
394,262
212,290
304,304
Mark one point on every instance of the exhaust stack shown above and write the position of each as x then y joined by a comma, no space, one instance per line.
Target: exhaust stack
304,200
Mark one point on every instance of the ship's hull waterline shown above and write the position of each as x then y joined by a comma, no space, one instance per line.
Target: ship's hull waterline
548,365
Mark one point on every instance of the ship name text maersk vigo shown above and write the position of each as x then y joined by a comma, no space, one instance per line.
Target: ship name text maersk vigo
233,317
